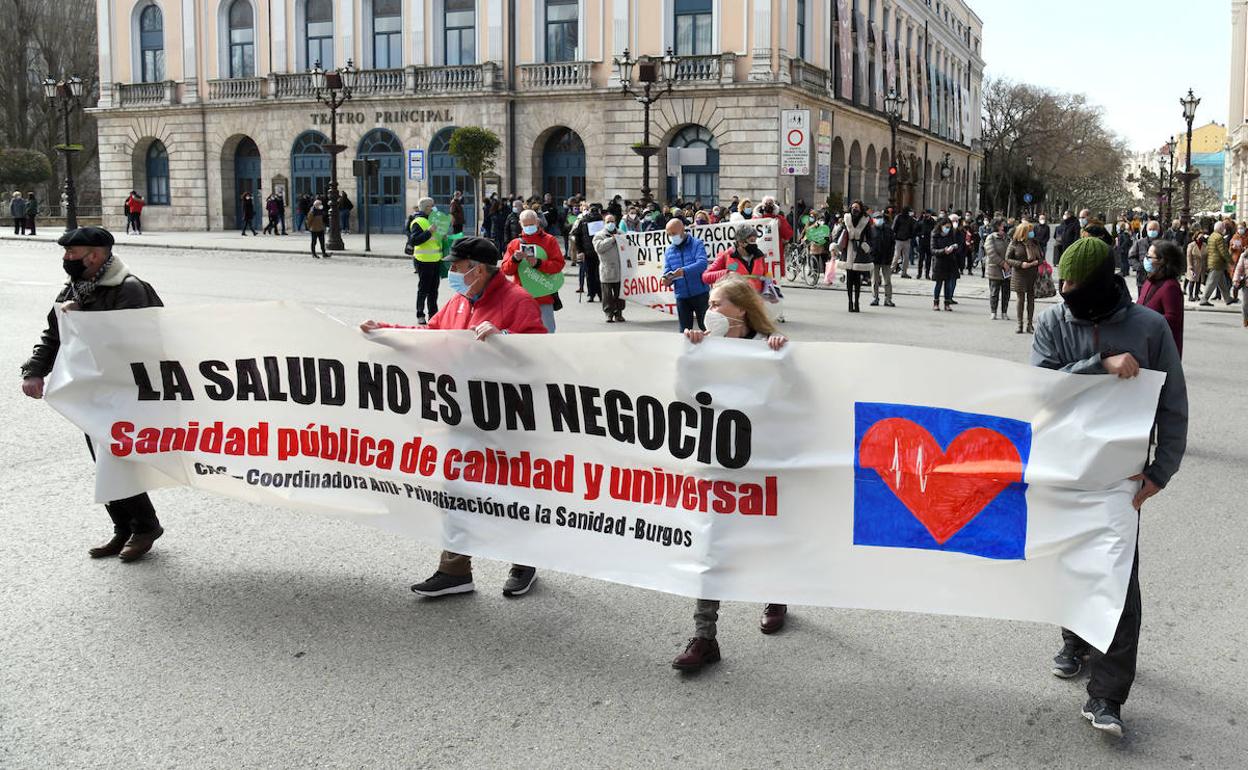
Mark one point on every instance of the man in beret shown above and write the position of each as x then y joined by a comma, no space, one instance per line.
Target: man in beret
1099,330
98,281
488,304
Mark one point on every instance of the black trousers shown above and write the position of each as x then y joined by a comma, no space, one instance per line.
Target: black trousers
19,226
591,276
925,257
853,287
318,237
612,304
133,515
1113,672
430,275
30,226
692,308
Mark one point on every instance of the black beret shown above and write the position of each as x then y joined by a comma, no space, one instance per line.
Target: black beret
482,250
86,236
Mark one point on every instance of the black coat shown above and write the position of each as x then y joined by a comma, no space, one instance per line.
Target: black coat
882,242
130,293
945,266
512,229
903,227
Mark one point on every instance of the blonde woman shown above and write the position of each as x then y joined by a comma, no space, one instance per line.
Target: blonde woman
735,311
745,210
1024,260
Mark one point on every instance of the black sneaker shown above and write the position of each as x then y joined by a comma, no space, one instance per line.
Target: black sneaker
889,303
519,581
1105,715
1069,662
420,320
875,303
442,584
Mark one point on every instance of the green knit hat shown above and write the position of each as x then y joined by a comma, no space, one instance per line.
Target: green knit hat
1082,259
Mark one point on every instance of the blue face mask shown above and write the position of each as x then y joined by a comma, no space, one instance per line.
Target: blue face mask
747,211
944,230
1031,234
1153,233
678,239
530,229
1148,265
610,227
458,281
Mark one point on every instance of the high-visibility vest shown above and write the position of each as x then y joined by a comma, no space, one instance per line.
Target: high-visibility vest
431,249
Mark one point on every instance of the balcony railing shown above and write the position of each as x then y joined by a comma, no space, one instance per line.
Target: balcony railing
451,79
147,94
556,76
292,86
235,89
390,81
810,77
706,69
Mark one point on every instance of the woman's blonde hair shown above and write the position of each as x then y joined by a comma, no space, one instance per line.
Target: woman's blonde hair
739,292
1020,232
744,204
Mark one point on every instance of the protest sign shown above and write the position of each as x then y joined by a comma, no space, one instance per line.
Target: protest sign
562,452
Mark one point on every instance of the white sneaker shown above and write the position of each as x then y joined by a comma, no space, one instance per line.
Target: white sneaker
995,316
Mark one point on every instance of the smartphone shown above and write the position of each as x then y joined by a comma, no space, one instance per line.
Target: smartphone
528,250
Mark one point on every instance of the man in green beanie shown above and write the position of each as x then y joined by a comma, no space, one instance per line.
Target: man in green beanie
1099,330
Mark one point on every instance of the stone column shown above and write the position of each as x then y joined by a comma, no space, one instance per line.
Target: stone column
104,36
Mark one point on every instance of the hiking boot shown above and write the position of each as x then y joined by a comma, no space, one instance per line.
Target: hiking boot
1105,715
442,584
698,653
519,581
1068,662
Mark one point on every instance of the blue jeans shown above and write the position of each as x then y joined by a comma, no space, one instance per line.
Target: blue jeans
548,317
948,284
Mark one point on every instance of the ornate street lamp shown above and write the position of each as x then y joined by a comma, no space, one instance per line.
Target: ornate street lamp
1189,103
65,95
333,89
892,108
656,76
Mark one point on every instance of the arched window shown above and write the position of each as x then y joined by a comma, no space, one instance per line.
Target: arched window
157,172
151,45
699,172
460,31
318,33
242,40
387,34
561,30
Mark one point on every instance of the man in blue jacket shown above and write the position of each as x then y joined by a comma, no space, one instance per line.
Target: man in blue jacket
684,261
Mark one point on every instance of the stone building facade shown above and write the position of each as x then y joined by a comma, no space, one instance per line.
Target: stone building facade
202,100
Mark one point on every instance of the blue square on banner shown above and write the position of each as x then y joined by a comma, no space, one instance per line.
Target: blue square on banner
940,479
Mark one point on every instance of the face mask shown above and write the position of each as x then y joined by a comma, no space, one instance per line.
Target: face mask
945,230
516,209
878,221
747,211
530,229
1096,298
1031,235
1153,233
74,268
458,281
678,239
1083,221
1041,220
1148,265
716,323
610,227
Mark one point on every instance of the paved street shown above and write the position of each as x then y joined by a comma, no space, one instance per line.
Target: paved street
257,637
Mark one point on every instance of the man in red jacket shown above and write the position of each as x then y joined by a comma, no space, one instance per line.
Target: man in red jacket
769,210
545,256
488,304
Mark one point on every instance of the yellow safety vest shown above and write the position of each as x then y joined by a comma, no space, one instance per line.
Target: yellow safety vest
431,249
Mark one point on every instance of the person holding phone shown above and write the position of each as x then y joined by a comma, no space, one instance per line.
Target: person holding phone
684,262
540,250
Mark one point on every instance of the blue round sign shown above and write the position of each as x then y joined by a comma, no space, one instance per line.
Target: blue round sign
1027,198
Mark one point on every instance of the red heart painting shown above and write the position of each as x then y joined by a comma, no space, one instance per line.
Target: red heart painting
944,490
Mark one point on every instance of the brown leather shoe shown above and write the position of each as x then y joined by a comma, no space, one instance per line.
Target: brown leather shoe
111,548
698,653
773,618
139,544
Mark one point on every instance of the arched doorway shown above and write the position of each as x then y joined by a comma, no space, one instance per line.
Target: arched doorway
445,177
563,164
309,165
247,180
855,172
699,166
386,212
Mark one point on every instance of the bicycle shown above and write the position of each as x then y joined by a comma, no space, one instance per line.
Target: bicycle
800,265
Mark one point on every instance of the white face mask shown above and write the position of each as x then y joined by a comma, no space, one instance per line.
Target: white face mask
717,324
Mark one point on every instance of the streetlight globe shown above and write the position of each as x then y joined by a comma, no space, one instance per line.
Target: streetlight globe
75,86
1189,105
318,76
49,87
624,68
668,65
349,74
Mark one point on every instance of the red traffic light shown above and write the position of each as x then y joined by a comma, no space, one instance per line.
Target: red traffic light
892,171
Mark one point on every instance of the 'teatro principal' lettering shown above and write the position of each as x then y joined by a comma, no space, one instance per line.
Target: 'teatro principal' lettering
697,431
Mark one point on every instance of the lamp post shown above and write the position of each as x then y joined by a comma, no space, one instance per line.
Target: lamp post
946,171
656,76
892,108
1163,190
1190,103
333,89
1029,162
65,95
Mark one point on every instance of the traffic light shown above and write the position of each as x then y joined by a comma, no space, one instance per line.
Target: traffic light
892,172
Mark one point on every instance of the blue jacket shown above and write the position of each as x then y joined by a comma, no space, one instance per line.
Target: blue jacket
690,255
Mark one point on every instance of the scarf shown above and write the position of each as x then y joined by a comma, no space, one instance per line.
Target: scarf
83,288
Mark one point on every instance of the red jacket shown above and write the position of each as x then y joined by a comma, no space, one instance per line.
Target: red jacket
503,303
786,229
135,204
552,264
726,262
1166,298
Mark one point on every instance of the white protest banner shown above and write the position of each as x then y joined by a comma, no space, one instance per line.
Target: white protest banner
563,452
641,258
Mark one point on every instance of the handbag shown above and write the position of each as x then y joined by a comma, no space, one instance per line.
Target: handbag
1044,286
